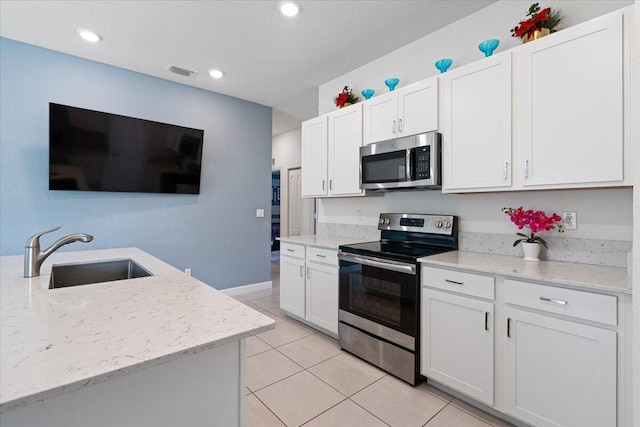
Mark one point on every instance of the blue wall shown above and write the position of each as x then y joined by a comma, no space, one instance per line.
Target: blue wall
215,233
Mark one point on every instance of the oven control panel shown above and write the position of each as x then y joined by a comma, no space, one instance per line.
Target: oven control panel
420,223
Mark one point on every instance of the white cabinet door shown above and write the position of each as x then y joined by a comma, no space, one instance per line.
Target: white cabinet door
380,120
457,343
476,136
345,140
322,296
559,373
292,285
418,107
571,106
314,157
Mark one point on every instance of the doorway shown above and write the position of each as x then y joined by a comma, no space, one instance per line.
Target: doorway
275,210
300,211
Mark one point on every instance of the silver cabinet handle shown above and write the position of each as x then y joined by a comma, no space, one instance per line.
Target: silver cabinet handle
290,250
399,125
555,301
321,256
308,273
454,282
504,171
330,184
393,128
323,183
301,271
526,168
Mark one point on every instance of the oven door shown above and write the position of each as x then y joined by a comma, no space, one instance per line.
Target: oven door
380,297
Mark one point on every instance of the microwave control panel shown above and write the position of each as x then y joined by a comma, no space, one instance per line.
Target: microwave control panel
422,162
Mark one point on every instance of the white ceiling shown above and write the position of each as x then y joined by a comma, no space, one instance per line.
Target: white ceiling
268,58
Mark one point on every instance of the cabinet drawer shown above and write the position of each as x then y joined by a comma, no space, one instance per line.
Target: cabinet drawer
570,302
456,281
289,249
325,256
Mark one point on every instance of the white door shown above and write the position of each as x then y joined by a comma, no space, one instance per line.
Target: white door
314,157
300,210
380,121
457,343
345,140
559,373
476,137
322,296
292,285
571,105
418,108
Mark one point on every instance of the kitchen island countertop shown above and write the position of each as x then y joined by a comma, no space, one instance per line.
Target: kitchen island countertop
60,340
594,277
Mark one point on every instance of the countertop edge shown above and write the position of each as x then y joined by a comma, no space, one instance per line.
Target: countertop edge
96,379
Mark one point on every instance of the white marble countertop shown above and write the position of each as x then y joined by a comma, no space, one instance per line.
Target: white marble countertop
328,242
595,277
60,340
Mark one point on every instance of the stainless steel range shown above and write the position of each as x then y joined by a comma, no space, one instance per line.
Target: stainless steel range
379,307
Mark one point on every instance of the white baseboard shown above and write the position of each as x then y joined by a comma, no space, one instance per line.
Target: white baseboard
239,290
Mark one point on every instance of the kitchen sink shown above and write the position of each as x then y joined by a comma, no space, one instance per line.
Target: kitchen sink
64,275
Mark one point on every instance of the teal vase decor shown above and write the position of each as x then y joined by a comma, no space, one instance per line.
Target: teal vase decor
488,46
368,93
443,64
392,83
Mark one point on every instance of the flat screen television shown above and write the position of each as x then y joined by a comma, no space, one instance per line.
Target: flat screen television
96,151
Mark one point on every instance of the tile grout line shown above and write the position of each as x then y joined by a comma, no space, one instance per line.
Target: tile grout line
269,409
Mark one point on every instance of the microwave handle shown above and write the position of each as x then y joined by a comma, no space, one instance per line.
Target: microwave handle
409,162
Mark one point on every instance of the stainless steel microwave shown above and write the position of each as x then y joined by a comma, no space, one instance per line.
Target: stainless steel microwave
412,162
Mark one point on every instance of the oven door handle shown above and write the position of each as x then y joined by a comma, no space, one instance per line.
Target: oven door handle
384,264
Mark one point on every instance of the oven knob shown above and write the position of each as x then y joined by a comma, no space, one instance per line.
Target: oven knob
387,221
438,224
381,221
447,224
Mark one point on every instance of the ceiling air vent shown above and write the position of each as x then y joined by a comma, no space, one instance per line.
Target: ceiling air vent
181,71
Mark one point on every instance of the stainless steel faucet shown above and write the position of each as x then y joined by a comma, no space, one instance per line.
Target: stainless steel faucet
34,257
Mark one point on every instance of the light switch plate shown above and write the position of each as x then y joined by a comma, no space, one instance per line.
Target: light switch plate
259,213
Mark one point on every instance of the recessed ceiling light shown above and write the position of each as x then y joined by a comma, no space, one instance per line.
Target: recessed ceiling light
88,35
289,8
216,74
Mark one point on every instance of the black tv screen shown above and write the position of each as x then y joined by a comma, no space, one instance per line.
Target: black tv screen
95,151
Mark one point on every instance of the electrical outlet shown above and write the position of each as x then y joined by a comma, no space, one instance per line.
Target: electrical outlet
259,213
569,220
187,271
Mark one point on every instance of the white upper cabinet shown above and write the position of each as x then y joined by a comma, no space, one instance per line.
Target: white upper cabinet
476,132
314,157
345,140
406,111
570,106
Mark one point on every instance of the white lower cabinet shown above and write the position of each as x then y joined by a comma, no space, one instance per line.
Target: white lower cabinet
559,373
551,356
292,283
457,343
309,285
322,296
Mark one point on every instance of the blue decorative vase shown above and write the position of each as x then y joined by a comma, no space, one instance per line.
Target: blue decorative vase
368,93
488,46
392,83
443,64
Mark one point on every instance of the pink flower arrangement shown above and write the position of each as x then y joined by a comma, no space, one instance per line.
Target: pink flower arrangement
536,221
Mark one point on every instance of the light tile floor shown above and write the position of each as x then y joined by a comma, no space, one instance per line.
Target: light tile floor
298,376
